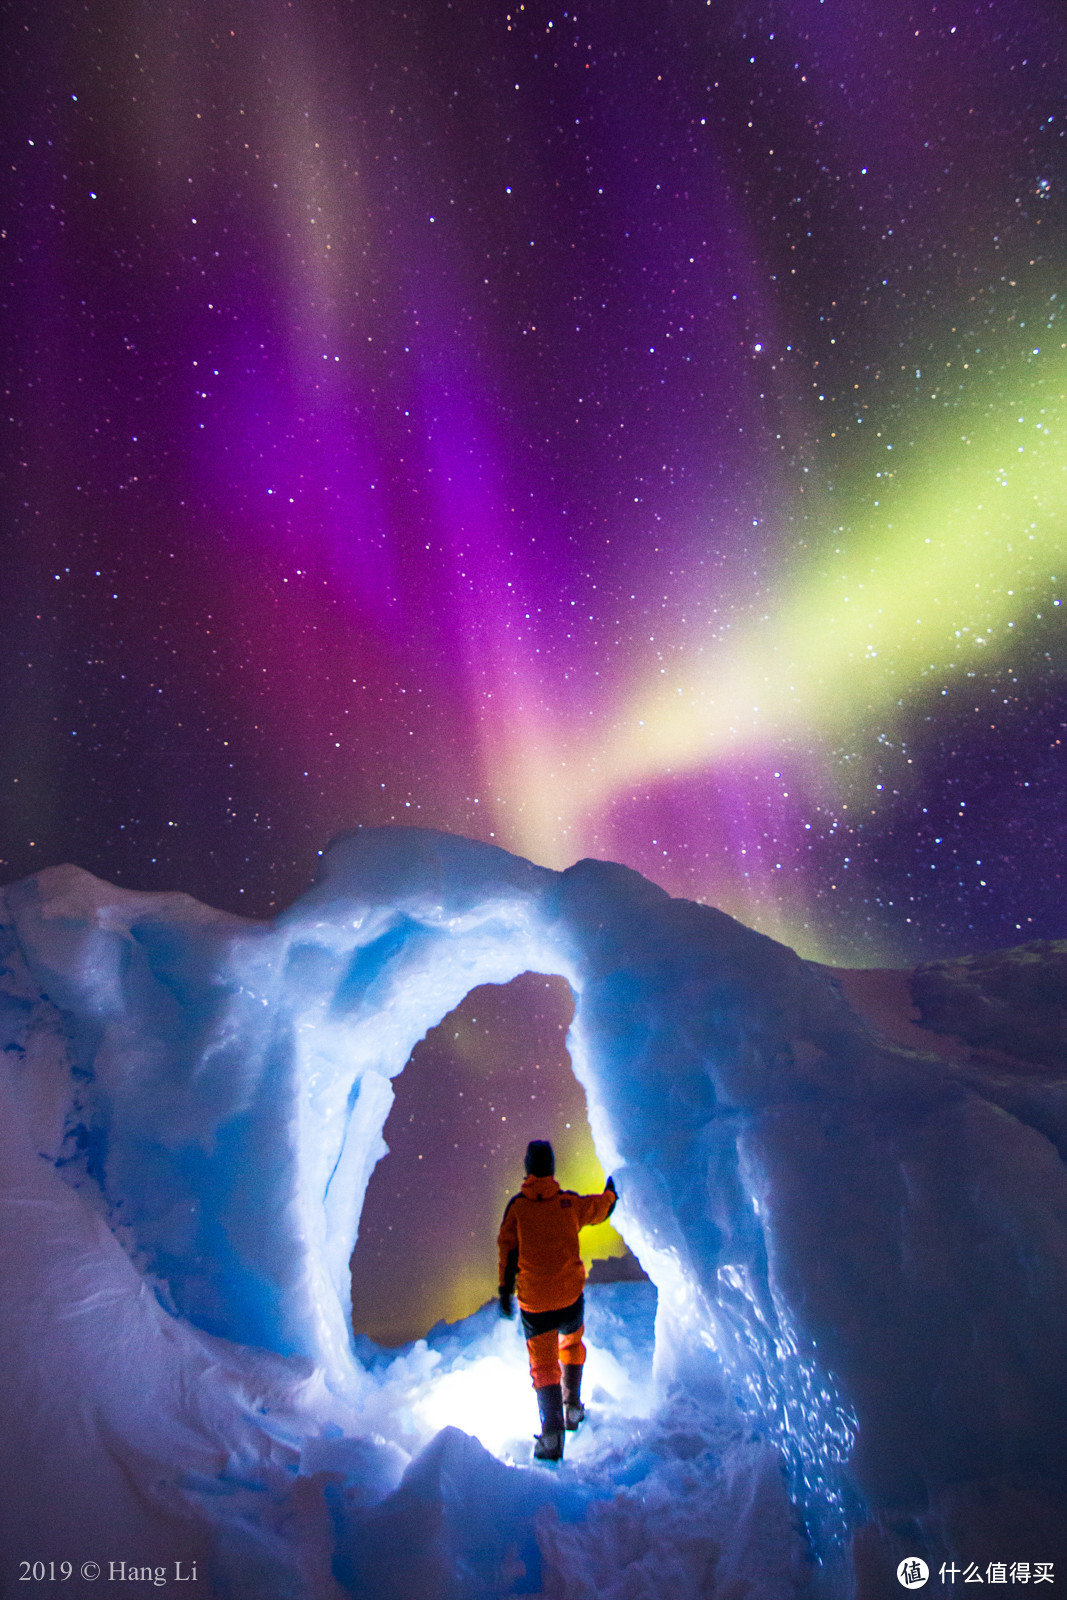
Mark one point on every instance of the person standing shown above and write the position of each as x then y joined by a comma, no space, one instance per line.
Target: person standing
541,1264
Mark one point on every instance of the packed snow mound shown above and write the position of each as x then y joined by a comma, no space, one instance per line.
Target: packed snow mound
863,1244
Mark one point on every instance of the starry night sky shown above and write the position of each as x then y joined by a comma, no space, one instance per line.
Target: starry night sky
635,431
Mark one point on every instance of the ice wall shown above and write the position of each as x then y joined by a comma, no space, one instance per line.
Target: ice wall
872,1242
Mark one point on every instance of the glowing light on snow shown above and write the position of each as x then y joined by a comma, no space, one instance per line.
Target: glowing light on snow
488,1394
490,1399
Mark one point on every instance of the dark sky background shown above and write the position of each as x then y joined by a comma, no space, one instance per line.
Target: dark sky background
629,430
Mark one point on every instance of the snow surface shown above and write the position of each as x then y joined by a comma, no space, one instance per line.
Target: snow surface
858,1254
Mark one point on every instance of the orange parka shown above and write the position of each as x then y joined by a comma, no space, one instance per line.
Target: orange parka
538,1242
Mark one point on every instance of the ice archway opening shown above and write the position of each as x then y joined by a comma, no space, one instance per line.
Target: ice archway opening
367,978
492,1075
223,1086
682,1030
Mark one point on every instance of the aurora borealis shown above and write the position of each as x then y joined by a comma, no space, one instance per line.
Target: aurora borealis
623,431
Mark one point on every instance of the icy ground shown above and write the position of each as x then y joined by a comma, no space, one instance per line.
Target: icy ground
652,1500
856,1232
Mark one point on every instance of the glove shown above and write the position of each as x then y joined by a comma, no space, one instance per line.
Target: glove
609,1183
506,1307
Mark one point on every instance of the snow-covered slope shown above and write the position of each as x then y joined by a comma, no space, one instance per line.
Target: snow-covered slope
859,1246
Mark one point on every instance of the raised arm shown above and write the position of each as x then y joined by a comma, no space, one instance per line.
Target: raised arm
594,1208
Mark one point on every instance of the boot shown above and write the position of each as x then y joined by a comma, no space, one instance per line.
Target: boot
548,1444
573,1410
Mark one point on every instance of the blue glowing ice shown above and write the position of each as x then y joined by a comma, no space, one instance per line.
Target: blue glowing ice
208,1097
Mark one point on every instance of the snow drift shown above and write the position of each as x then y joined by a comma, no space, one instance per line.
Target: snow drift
859,1249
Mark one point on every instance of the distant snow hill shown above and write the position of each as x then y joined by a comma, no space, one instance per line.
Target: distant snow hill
847,1190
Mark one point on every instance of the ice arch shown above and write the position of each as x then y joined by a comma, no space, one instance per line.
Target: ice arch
231,1082
848,1227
